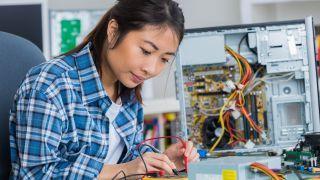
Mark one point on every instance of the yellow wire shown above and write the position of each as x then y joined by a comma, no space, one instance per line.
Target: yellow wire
221,122
198,119
241,94
241,97
195,121
282,176
236,58
265,172
230,51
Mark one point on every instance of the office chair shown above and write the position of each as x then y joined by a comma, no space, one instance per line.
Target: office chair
17,56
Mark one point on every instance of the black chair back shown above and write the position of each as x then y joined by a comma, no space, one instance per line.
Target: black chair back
17,56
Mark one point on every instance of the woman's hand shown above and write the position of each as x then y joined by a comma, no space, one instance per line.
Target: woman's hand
172,158
176,153
154,162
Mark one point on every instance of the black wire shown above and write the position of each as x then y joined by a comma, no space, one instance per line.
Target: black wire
175,171
139,150
151,147
246,37
239,46
253,50
295,147
144,163
124,175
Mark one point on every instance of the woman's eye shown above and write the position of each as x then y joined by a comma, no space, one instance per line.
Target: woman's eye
164,60
145,52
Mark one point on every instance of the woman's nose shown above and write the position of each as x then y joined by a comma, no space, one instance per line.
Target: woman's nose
150,68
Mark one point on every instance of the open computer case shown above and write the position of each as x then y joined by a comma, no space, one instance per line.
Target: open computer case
248,87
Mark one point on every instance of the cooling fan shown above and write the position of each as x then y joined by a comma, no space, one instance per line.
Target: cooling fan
211,130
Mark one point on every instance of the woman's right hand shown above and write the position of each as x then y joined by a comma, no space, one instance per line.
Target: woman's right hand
154,162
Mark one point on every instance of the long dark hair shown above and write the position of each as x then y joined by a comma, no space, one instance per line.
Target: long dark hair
133,15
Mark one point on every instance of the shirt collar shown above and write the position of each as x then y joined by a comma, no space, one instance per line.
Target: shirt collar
91,85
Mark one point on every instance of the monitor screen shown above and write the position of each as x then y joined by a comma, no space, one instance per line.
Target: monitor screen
24,20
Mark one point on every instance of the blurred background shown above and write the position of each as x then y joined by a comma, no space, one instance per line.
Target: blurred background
57,26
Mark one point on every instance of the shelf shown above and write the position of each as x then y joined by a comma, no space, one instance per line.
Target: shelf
158,106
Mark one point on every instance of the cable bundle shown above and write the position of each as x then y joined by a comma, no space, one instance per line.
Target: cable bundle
264,169
236,96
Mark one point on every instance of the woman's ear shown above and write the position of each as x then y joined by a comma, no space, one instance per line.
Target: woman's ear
112,33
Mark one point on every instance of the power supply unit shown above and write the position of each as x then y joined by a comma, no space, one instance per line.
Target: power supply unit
231,168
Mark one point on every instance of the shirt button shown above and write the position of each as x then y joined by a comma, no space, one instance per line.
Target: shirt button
128,138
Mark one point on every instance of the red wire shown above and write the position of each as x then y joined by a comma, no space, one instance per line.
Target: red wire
248,68
227,119
245,79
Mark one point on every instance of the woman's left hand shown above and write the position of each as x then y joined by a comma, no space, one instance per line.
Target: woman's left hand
176,153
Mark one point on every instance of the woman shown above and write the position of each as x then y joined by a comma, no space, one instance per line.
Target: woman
80,115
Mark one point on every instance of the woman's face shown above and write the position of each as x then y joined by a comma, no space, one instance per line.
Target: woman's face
142,55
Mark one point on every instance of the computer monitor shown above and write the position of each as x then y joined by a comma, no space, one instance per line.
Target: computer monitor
27,19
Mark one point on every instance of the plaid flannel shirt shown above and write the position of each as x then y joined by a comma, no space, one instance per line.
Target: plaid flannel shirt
58,126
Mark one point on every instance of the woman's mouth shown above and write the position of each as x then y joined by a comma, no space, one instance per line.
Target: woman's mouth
137,79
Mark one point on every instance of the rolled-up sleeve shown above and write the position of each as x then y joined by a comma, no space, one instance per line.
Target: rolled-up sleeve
37,127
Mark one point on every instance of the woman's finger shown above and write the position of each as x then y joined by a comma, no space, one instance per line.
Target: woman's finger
163,157
157,164
151,168
146,158
193,155
188,148
179,144
197,158
180,152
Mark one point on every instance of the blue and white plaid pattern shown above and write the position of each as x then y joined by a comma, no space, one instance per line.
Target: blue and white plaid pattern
58,127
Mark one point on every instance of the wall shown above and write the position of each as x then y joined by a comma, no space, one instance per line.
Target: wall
206,13
289,10
298,10
198,13
263,13
79,4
